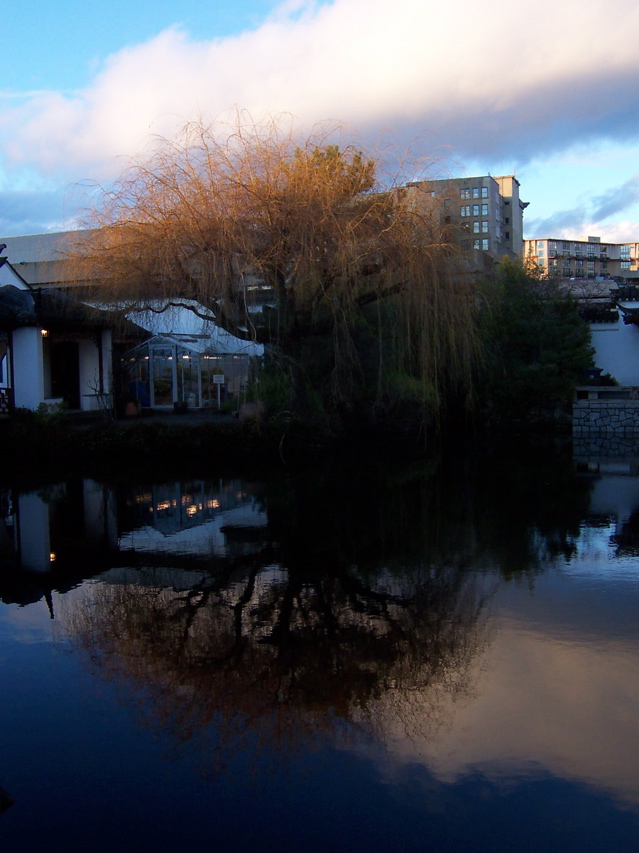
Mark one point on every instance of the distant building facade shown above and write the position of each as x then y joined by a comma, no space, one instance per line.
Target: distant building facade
487,210
583,258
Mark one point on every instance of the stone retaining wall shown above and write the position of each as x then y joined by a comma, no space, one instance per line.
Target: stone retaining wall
606,412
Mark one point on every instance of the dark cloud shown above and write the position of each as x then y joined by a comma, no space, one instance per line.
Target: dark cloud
616,199
552,225
539,121
599,207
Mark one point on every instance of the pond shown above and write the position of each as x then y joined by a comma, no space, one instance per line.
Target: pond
356,656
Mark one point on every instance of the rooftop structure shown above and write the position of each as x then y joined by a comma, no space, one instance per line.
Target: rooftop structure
42,260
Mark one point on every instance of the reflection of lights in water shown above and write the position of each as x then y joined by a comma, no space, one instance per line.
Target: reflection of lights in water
214,504
163,505
191,510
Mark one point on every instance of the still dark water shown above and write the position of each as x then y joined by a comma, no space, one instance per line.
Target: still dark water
366,656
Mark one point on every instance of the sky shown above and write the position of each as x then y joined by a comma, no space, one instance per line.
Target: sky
547,90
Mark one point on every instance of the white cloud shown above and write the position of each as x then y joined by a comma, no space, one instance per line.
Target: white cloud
624,231
525,78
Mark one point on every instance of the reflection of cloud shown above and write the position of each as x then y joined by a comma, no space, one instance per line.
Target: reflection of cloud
26,625
562,705
479,82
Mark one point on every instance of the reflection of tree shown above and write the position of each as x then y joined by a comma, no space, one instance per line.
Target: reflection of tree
264,653
353,609
518,509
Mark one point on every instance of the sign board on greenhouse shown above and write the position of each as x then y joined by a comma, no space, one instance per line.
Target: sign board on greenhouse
218,378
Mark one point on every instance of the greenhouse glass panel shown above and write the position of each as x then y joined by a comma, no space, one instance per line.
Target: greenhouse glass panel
188,370
163,363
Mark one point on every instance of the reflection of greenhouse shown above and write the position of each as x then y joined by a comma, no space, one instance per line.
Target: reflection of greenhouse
198,518
193,369
172,507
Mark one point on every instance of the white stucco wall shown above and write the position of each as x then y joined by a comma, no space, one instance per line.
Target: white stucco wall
28,369
107,360
89,374
617,350
90,371
8,276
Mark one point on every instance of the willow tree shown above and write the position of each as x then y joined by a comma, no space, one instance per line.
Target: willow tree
361,298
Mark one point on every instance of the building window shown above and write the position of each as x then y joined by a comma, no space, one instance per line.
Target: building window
625,265
475,192
476,227
484,245
465,193
624,251
507,236
565,246
476,244
465,210
484,192
552,244
484,210
475,210
484,226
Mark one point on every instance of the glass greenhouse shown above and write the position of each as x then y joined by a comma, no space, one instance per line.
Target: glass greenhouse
187,369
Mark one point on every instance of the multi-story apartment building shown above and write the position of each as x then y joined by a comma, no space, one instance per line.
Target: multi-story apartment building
583,258
488,210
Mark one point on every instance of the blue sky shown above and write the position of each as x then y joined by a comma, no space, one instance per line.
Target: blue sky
548,90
